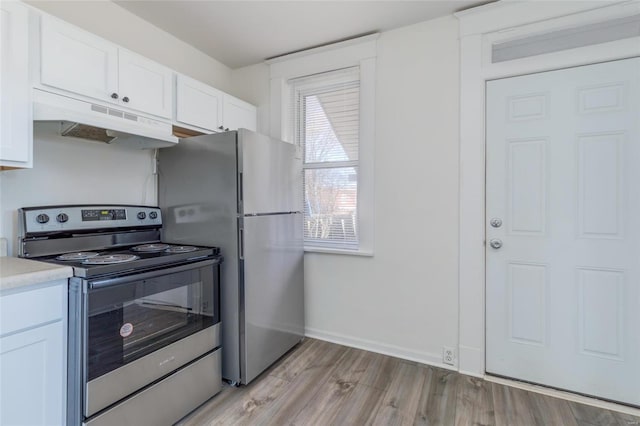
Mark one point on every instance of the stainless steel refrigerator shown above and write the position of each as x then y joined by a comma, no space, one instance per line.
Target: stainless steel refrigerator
242,192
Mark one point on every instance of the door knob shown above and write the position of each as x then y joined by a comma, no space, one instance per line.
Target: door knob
496,222
495,243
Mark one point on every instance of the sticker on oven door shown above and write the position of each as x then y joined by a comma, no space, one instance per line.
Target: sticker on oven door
126,329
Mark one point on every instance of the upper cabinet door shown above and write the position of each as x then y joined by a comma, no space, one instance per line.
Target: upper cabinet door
15,103
238,114
198,104
144,85
77,61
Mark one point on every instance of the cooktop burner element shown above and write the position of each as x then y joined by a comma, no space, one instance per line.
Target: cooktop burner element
181,249
150,248
109,259
81,255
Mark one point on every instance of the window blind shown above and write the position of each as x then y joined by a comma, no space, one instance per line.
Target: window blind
327,126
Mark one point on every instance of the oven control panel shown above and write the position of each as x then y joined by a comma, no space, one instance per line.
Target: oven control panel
105,214
61,218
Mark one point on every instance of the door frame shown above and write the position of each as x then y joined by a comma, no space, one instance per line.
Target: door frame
480,28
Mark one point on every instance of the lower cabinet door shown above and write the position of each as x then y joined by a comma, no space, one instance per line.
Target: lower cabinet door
33,377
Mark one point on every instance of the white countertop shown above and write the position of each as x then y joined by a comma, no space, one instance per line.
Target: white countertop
16,272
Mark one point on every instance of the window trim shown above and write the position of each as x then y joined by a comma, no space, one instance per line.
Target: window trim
360,52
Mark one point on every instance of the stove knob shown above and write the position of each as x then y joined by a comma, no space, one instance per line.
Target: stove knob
142,215
62,217
42,218
153,215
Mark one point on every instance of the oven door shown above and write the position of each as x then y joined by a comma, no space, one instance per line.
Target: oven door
140,328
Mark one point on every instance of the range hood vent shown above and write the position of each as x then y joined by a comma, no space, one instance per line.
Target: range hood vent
82,131
95,122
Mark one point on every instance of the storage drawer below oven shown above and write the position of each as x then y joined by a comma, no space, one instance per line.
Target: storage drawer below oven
169,400
109,388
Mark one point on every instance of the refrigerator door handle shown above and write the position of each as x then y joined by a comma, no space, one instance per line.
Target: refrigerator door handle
241,243
240,191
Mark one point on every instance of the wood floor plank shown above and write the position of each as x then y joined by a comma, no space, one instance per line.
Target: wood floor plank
474,402
354,365
587,415
511,406
292,364
380,371
551,411
402,398
626,419
323,408
360,407
306,381
320,383
438,399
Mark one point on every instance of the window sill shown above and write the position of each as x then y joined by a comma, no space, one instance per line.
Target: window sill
363,253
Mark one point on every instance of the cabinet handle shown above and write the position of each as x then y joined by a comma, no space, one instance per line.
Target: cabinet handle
114,95
125,99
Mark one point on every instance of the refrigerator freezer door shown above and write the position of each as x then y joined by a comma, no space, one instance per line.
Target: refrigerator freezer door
270,172
273,290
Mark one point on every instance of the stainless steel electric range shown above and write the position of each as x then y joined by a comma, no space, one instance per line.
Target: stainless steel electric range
144,316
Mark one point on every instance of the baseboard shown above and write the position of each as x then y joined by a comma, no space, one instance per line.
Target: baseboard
381,348
569,396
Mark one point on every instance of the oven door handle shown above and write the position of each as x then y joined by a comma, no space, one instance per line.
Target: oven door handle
152,274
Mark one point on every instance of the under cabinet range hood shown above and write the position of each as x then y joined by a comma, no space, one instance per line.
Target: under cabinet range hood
96,122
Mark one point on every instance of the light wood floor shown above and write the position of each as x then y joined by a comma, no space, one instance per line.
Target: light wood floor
321,383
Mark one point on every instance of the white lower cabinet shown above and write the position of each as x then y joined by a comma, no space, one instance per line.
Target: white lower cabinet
31,376
33,370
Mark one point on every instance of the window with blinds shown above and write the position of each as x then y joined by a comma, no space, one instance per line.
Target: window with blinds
327,126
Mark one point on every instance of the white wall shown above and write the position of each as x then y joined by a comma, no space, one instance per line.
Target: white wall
251,83
110,21
404,300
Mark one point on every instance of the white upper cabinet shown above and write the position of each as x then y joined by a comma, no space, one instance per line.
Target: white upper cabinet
238,114
16,134
198,104
208,108
77,61
80,62
144,85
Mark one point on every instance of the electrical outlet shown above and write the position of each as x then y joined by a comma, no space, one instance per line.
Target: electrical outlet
448,355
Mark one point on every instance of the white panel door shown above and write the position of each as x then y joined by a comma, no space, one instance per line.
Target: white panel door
198,104
563,173
15,103
144,85
78,61
237,114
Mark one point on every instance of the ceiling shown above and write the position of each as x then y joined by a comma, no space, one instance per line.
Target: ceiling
239,33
